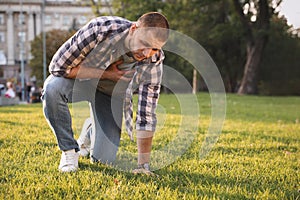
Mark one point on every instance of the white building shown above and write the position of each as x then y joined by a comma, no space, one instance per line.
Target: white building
21,20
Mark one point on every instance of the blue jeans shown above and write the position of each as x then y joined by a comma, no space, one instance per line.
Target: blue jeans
107,111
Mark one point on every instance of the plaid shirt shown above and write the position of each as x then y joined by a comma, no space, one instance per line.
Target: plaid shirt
93,46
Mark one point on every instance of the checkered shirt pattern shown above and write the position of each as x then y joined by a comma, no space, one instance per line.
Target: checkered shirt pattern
92,46
147,80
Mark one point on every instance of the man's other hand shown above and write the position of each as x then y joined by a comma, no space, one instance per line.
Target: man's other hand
115,74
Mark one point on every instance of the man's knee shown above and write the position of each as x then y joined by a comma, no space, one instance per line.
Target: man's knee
54,87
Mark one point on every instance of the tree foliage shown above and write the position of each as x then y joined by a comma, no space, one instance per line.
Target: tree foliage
280,69
255,16
232,31
209,22
54,39
132,9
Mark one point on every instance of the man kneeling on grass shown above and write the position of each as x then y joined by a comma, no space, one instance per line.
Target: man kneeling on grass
103,63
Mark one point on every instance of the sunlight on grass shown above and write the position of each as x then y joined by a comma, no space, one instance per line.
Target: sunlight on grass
257,156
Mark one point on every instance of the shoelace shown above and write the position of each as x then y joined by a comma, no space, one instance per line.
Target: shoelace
69,158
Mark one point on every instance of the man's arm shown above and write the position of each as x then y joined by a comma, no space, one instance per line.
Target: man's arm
146,121
112,73
144,146
146,116
81,72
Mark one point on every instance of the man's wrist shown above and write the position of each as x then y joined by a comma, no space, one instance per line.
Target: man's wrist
144,134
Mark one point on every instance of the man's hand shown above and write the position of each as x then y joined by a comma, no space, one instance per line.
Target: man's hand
113,73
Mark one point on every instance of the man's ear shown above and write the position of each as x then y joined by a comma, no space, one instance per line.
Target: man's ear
133,27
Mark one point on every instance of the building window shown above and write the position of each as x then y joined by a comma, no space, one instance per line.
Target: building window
1,19
2,59
82,20
48,20
66,20
22,36
21,18
2,37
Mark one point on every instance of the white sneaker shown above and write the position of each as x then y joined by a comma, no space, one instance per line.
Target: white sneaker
84,151
69,161
84,141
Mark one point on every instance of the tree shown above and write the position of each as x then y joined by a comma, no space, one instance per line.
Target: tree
54,39
280,72
214,25
255,18
97,5
235,33
132,9
209,22
219,33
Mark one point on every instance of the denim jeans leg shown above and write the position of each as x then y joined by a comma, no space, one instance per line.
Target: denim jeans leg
56,95
108,124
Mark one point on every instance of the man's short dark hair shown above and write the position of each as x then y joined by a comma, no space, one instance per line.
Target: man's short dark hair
155,20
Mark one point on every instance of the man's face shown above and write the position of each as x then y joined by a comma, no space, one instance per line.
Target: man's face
144,44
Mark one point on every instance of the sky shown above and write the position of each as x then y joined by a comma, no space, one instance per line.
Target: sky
291,10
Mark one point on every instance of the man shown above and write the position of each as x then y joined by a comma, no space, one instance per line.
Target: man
103,63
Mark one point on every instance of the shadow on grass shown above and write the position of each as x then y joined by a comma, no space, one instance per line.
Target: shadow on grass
111,171
254,151
175,180
12,110
182,182
11,123
93,167
50,145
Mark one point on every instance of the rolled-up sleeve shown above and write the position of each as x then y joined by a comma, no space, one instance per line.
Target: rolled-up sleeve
148,95
90,46
75,50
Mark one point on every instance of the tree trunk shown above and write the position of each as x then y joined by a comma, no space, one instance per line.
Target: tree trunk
194,81
254,54
257,36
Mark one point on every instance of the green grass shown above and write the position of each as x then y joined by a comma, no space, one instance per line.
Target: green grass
257,156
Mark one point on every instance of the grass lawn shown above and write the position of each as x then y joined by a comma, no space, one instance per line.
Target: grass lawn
257,156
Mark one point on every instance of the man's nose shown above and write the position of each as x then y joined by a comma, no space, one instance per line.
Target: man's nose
147,52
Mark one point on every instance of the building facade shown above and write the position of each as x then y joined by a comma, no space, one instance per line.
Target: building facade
22,20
